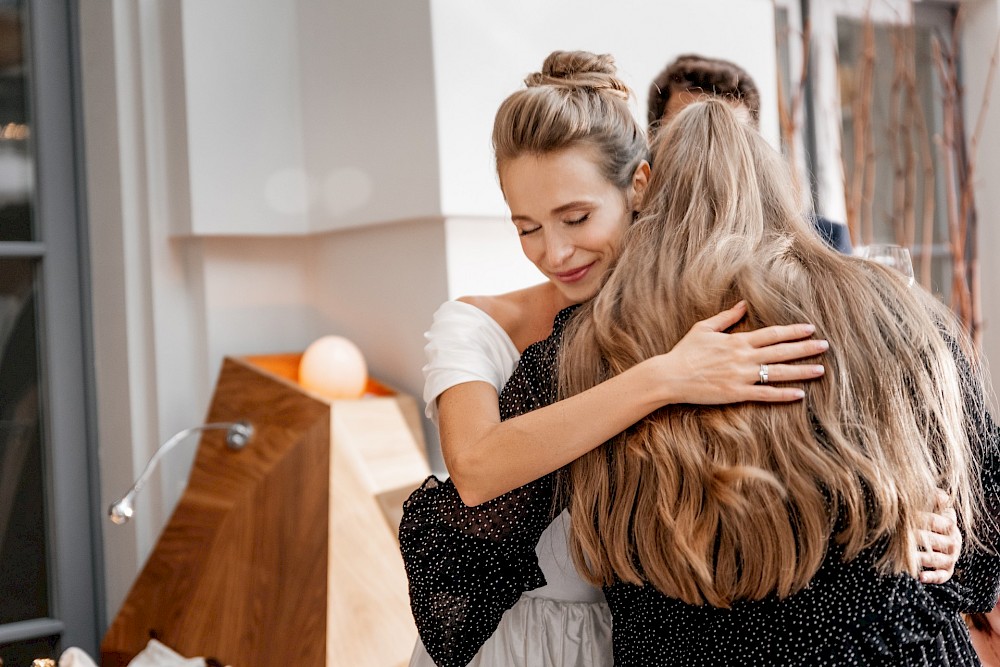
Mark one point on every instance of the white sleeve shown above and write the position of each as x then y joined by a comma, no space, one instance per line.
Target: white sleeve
465,344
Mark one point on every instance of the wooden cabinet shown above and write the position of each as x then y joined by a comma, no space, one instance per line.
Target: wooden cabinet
285,552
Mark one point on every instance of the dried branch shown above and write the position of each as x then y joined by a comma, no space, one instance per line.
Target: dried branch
927,222
969,204
961,297
910,103
897,135
868,192
861,104
790,110
918,166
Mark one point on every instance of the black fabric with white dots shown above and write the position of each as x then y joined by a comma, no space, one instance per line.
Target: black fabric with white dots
467,565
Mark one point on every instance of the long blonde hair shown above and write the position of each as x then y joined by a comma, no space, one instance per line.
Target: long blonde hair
716,504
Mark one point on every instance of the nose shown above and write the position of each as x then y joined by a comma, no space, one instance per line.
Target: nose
558,248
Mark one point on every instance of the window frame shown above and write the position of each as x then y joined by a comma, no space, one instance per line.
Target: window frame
66,360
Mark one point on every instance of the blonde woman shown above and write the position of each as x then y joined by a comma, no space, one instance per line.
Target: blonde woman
572,193
736,535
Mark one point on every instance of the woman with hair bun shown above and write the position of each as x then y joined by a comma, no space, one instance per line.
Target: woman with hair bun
572,165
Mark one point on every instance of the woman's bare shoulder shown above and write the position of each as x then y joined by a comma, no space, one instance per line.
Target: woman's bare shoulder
508,310
526,314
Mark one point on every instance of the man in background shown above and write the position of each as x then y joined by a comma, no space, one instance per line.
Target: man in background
690,77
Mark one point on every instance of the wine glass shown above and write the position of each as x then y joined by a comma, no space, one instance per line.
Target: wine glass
891,255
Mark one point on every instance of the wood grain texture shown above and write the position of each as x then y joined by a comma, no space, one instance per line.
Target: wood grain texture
284,553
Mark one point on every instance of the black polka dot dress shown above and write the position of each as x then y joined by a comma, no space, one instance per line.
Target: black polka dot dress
467,566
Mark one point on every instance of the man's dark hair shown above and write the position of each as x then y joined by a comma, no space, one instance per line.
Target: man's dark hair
691,72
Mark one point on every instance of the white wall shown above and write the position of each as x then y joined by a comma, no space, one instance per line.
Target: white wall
149,335
105,214
368,111
484,257
244,117
483,51
379,285
287,134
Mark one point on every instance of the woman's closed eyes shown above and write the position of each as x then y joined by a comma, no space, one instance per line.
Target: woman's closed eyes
576,221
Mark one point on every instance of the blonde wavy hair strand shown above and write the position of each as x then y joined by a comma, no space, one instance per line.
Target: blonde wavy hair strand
717,504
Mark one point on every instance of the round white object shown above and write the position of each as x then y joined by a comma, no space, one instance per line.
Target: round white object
334,367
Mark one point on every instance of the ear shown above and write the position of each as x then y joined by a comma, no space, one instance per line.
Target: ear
640,181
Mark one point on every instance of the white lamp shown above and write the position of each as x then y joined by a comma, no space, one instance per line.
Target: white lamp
334,368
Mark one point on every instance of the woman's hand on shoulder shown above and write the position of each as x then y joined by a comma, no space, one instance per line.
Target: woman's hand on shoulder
711,367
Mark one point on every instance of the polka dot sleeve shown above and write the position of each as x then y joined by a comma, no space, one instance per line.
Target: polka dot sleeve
977,573
466,566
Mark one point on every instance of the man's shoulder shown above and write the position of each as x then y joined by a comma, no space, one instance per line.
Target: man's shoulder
835,234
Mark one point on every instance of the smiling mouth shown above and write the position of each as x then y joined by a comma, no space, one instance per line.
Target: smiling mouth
575,275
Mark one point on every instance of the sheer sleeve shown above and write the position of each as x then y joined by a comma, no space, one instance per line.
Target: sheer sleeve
977,573
468,565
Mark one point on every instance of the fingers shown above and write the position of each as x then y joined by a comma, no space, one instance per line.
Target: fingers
791,372
727,318
768,394
935,576
942,524
943,520
935,560
783,352
939,544
937,567
771,392
778,334
932,541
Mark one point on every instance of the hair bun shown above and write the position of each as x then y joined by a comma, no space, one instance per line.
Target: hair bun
580,69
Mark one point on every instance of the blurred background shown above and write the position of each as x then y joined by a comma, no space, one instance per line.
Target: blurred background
182,180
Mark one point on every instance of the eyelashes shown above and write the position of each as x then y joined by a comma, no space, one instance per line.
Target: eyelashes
578,221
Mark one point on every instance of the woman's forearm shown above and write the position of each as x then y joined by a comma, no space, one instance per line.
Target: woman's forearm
497,457
487,457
